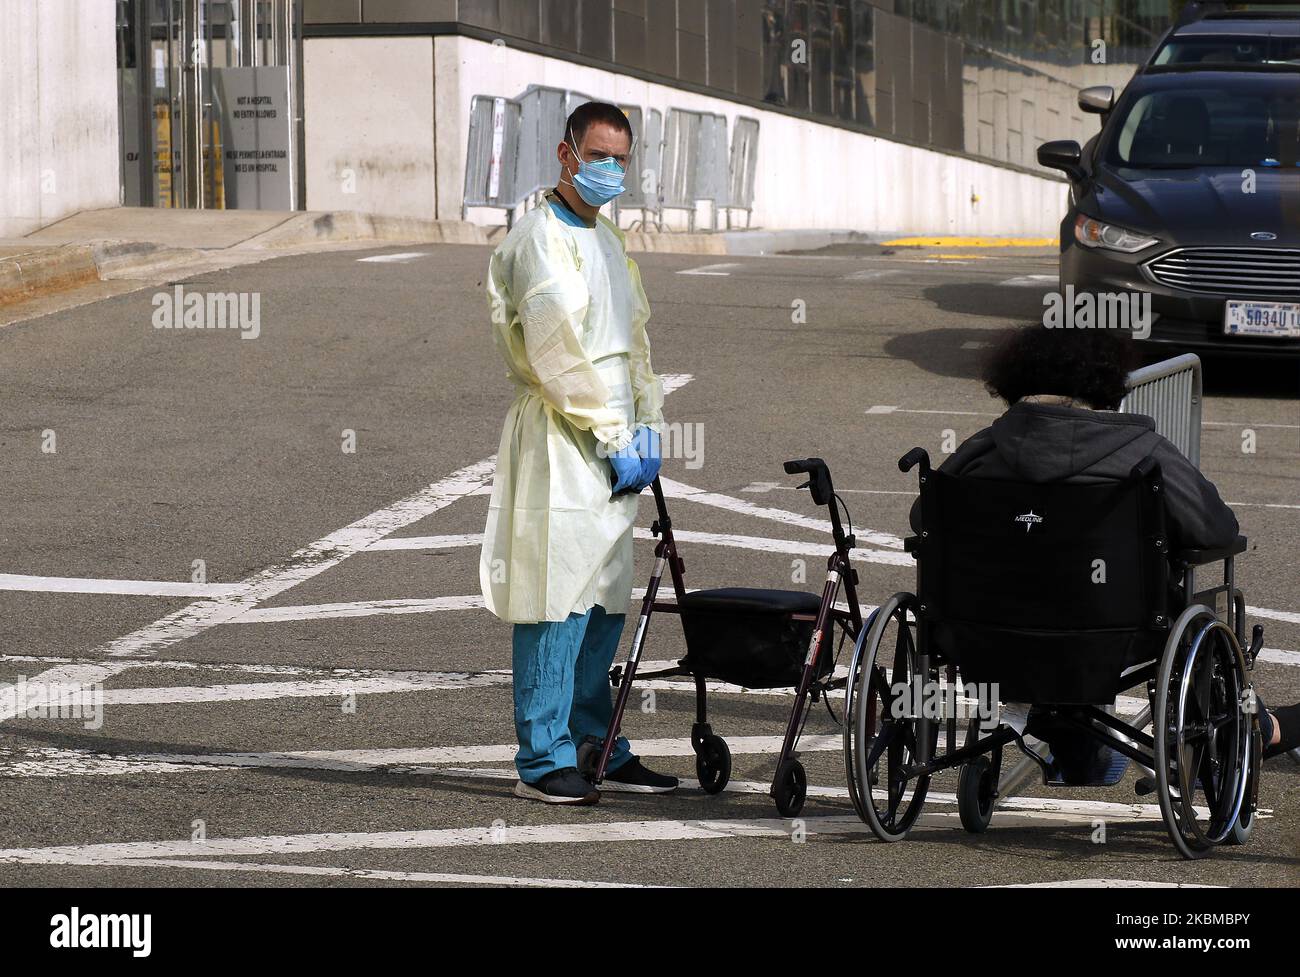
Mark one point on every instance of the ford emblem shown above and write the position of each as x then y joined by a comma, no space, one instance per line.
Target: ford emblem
1264,236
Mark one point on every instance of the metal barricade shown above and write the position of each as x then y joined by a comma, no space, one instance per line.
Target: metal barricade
492,158
643,168
1170,393
744,167
694,161
545,112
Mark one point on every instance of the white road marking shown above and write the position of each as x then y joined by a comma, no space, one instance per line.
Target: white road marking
761,544
1031,281
265,584
677,490
1287,427
872,274
394,259
1291,617
713,271
357,608
1102,884
586,833
436,878
881,409
90,585
1279,657
762,488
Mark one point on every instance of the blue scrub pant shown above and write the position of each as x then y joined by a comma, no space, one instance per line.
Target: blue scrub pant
562,694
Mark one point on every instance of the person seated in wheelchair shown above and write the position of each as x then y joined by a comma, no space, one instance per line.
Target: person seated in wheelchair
1063,390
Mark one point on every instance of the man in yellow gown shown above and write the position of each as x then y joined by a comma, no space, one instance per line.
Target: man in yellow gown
580,441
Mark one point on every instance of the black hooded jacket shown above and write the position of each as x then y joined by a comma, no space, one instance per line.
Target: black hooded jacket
1045,443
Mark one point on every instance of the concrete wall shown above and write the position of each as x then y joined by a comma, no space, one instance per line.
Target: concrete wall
392,108
809,175
58,111
369,125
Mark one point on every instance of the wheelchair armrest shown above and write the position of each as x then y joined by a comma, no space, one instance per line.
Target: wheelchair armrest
1197,558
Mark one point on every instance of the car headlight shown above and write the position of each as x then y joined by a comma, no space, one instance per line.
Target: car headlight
1092,233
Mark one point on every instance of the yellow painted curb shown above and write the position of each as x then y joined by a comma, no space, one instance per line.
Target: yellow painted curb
972,242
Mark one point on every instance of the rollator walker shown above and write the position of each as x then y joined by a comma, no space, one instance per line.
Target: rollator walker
1059,597
757,639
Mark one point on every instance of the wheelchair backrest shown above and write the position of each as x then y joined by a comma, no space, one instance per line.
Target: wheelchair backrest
1055,557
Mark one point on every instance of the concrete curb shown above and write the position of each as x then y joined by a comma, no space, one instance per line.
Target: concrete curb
349,226
40,271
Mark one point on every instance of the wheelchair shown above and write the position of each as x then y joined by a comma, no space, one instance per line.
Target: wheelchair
758,639
1053,599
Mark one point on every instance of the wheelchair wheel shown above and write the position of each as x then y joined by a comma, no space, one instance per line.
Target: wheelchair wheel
881,738
1204,738
713,764
977,789
790,788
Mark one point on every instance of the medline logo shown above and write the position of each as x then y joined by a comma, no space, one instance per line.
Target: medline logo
1030,519
102,930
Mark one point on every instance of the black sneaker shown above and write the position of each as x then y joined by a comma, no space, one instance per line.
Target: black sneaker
563,786
633,778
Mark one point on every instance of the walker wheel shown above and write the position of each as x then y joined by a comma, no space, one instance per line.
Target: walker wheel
589,756
790,788
976,790
713,764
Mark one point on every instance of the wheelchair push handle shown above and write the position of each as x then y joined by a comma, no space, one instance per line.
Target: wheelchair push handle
913,458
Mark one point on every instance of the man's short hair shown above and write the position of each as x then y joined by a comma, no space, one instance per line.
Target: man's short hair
591,113
1087,365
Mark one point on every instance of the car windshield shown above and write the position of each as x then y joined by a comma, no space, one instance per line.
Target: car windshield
1227,49
1248,122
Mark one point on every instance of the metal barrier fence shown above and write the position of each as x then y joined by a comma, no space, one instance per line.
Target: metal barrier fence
677,163
1170,393
643,169
491,164
743,168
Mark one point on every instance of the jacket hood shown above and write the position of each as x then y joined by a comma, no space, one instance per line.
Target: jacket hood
1046,443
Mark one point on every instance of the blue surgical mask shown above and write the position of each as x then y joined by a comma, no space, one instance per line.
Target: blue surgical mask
598,182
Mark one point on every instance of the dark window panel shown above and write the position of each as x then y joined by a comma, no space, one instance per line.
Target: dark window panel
692,16
596,35
407,11
692,57
799,74
661,42
864,63
776,52
481,13
749,73
749,24
820,58
520,18
722,44
331,11
842,78
630,37
560,24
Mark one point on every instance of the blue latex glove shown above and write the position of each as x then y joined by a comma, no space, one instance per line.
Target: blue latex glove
646,442
627,469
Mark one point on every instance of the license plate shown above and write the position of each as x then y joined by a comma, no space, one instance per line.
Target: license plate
1262,319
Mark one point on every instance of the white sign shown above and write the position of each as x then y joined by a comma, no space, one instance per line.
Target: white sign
498,142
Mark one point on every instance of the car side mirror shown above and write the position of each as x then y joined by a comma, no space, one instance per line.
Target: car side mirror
1098,100
1065,155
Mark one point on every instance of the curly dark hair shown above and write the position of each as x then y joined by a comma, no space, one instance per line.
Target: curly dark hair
1087,365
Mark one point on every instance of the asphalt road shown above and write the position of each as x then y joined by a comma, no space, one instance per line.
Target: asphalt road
326,705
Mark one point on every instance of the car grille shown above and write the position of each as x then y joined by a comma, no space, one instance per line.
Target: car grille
1254,272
